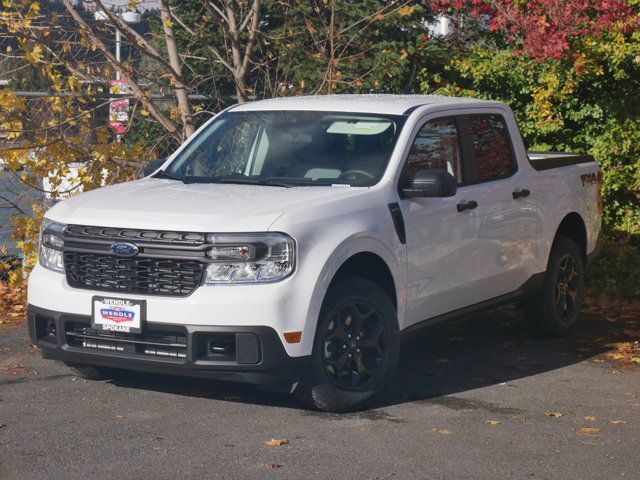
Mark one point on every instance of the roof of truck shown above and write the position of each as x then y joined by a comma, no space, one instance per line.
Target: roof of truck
371,103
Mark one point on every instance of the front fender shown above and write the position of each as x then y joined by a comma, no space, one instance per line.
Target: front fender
351,246
327,235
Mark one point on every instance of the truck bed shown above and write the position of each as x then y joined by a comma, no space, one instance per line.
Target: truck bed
549,160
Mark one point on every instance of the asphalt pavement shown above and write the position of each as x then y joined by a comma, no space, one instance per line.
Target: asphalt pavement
477,399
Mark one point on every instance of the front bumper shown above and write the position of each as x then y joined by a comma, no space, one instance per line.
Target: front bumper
282,306
250,354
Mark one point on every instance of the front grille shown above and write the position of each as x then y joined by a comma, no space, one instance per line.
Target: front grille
132,275
80,232
157,343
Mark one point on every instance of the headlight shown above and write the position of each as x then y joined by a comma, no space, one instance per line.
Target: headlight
51,244
249,258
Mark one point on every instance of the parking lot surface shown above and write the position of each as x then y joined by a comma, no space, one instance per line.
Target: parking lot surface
477,399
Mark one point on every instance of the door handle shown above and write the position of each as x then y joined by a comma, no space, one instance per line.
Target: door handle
470,205
520,193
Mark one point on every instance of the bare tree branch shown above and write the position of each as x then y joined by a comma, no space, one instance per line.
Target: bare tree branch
135,88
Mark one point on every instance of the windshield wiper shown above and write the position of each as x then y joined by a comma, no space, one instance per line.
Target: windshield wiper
168,176
239,180
301,182
252,181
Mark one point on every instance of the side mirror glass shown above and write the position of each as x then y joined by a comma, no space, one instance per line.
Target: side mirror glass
152,166
431,183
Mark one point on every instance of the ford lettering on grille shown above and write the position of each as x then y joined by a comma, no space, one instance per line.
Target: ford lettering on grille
124,249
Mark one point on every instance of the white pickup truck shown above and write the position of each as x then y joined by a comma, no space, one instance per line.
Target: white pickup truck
293,242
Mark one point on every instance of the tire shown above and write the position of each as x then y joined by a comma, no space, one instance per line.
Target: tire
91,372
554,312
355,350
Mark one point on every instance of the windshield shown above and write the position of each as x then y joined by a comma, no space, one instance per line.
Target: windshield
288,148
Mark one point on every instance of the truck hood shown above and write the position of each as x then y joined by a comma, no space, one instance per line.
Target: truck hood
171,205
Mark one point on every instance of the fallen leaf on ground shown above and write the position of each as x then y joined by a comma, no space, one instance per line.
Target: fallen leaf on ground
120,417
598,360
619,422
554,414
277,442
273,466
442,431
635,359
588,430
16,370
492,422
591,417
3,424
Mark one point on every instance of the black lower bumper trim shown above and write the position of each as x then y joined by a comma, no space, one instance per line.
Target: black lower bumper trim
242,354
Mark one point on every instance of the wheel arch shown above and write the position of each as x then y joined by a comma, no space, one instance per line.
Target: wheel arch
573,227
365,257
370,266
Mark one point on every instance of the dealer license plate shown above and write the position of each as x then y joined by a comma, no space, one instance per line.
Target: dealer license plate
118,314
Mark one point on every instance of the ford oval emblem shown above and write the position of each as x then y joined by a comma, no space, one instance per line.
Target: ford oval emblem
124,249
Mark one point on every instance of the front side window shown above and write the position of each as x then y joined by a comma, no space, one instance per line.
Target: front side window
492,150
436,146
290,147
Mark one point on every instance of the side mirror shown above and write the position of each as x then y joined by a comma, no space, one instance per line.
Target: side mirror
431,183
152,166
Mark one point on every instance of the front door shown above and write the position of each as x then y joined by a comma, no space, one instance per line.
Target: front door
444,260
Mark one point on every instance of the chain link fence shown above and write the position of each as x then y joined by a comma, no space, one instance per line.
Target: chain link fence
17,198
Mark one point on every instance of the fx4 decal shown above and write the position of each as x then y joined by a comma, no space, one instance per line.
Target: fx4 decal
588,179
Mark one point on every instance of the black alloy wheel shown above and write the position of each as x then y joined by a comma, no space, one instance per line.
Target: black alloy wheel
555,310
355,343
356,347
567,288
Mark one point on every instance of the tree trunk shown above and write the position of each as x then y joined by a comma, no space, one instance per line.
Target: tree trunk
176,64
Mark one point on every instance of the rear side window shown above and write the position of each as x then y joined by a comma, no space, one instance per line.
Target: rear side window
436,146
491,147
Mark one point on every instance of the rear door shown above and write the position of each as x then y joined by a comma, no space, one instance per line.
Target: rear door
444,260
511,221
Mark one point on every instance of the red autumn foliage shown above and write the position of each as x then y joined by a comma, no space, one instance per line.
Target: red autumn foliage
545,29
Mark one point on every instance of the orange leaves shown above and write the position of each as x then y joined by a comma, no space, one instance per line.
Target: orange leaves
625,352
407,10
623,326
13,299
554,414
277,442
16,369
